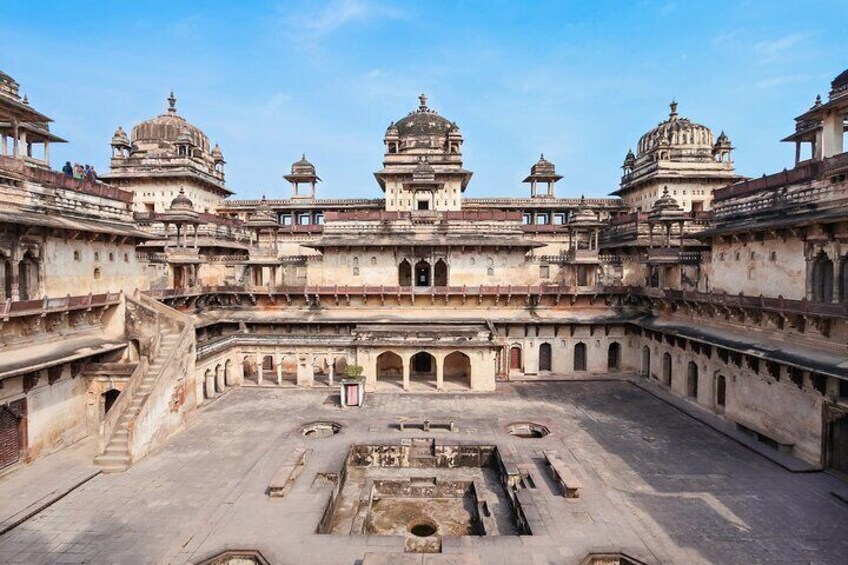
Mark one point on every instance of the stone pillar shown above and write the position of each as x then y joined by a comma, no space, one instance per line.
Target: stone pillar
837,280
258,368
809,279
440,372
407,361
305,370
332,370
280,370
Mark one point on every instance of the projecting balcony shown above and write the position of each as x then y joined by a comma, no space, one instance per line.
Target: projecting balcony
582,255
664,254
182,255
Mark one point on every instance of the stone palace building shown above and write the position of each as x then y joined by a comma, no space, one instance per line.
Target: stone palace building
129,301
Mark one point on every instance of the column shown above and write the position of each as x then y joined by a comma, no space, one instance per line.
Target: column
258,369
837,280
440,373
47,152
809,281
332,369
280,370
797,152
406,366
195,235
15,141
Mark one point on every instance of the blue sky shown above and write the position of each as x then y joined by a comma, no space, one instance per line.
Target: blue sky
579,81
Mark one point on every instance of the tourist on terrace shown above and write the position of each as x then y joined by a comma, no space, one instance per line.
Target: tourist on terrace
68,169
78,171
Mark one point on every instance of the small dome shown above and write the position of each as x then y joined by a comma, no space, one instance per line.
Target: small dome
184,138
676,132
583,216
722,141
120,138
629,159
543,167
182,202
217,154
392,131
303,167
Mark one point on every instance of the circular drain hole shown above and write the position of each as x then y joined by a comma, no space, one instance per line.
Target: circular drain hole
321,429
422,529
527,430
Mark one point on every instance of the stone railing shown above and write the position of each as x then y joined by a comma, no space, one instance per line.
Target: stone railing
46,305
160,413
58,179
779,304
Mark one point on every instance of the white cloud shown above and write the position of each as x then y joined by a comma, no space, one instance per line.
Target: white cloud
339,13
776,46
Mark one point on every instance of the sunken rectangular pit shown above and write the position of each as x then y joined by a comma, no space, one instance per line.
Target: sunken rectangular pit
425,489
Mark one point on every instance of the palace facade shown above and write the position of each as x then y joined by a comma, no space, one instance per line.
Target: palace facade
131,300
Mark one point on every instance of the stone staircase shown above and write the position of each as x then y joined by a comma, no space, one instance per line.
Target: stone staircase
116,457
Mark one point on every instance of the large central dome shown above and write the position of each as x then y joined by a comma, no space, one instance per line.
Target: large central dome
676,132
422,128
165,129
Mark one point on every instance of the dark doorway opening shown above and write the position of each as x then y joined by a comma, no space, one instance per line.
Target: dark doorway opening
109,398
405,273
422,273
545,357
440,273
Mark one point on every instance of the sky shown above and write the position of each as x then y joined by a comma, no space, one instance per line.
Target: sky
578,81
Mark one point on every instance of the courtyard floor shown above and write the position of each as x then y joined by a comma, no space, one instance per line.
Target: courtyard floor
657,484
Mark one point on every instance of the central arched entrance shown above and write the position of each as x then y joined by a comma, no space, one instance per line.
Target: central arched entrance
390,369
423,368
440,273
515,358
457,370
646,361
109,398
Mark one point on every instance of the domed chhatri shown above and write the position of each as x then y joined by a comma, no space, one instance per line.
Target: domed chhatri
543,172
181,201
413,183
303,173
167,146
681,154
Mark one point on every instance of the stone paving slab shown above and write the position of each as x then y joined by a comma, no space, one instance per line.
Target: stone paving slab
701,414
658,485
28,488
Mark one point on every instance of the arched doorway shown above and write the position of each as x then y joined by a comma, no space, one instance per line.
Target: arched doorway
28,281
457,369
614,357
109,398
390,368
288,370
7,279
11,438
823,278
515,358
423,368
721,392
545,357
580,356
405,273
666,369
646,361
440,273
422,273
692,380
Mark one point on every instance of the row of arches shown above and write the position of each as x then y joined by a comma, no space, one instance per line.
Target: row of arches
423,273
692,384
580,360
424,367
21,279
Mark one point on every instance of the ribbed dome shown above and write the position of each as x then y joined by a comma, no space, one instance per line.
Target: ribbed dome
676,132
167,128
